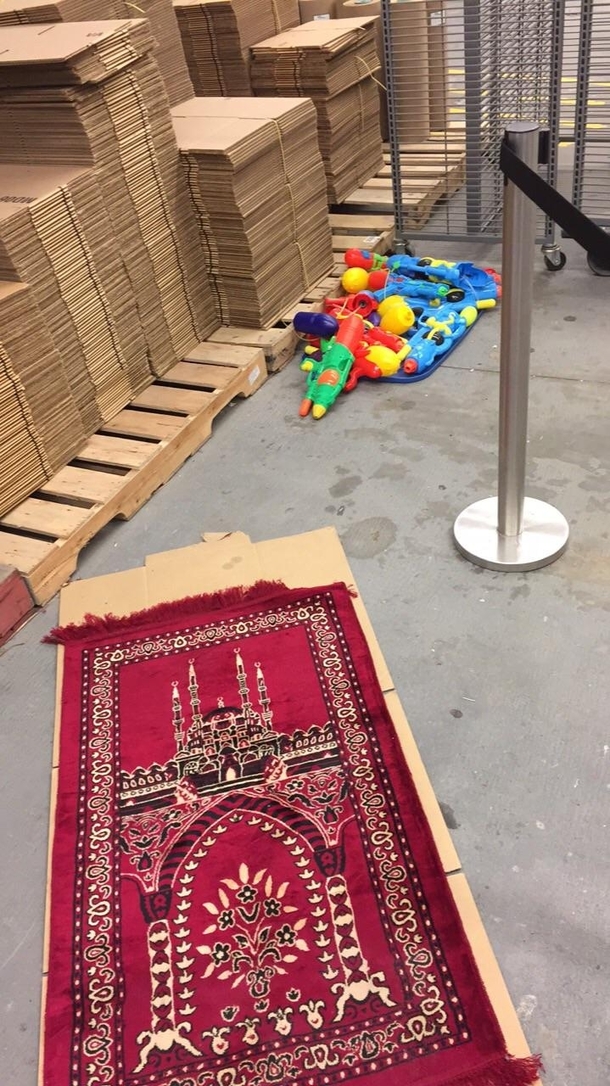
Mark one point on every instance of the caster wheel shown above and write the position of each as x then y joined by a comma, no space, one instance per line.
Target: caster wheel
596,267
555,261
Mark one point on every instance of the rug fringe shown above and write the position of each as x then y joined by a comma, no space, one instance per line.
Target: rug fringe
505,1071
169,611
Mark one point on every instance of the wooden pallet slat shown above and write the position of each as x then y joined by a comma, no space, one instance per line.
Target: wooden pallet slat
302,307
375,199
23,552
82,484
198,375
321,285
414,190
433,146
450,177
147,424
418,205
40,517
421,174
212,353
375,243
361,224
119,452
179,401
134,453
278,344
423,164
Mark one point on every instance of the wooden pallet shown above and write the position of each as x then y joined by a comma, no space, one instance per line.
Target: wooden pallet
375,233
424,170
279,343
430,172
117,470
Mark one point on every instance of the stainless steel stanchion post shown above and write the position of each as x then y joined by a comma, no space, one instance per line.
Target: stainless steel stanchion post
512,532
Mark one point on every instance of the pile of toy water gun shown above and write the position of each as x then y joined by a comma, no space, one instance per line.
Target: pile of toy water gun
399,319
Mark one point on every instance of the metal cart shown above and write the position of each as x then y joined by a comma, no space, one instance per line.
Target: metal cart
586,111
488,61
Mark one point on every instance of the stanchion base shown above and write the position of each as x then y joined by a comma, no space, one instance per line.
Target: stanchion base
543,539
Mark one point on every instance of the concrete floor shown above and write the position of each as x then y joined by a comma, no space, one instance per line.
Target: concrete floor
505,678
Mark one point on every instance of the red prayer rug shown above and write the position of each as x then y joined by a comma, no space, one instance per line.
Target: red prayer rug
245,890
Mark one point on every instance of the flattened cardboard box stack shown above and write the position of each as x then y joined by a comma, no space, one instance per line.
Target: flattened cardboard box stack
91,94
56,236
39,421
168,54
165,31
217,35
212,46
332,62
95,216
258,185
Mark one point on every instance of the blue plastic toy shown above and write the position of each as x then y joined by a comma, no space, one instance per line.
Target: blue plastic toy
445,297
435,337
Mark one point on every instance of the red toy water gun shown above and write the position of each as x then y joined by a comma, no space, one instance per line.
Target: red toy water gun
363,304
362,258
385,339
362,368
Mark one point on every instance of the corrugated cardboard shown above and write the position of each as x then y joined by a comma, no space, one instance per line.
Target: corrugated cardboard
317,33
333,62
56,236
159,13
348,9
258,186
70,53
217,35
350,153
323,57
95,217
217,60
168,53
123,128
40,427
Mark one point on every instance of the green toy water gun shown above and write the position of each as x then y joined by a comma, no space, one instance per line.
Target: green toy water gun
327,377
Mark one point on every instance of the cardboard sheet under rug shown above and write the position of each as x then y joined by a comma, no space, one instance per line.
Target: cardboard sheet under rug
260,871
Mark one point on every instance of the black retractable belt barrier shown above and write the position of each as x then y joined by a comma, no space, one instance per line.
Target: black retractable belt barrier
573,222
